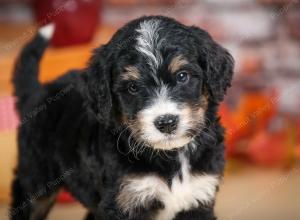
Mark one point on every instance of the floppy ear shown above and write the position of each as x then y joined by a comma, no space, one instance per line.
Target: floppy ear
216,63
98,84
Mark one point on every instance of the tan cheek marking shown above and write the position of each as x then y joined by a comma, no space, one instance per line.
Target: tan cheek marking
187,113
202,109
131,73
204,101
198,115
134,126
177,63
201,114
125,119
198,111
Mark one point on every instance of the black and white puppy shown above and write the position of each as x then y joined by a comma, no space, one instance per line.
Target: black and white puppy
137,131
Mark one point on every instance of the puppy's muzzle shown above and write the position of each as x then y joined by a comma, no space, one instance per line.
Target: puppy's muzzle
166,123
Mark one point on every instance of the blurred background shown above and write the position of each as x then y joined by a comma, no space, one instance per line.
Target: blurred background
261,111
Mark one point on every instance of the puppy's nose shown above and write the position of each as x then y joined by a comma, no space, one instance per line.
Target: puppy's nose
166,123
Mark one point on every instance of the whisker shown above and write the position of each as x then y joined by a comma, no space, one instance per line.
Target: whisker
120,137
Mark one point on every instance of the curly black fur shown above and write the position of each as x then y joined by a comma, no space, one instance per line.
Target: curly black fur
70,128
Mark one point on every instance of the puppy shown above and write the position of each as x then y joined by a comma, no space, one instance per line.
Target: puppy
134,136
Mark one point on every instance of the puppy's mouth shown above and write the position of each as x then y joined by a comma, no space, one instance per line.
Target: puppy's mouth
171,142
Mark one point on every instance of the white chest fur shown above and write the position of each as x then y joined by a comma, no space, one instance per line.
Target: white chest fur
184,194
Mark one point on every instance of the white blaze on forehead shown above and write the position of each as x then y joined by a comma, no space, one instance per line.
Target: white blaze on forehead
162,105
148,42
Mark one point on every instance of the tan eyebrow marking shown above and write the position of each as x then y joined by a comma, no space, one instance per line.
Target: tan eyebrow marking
177,63
131,73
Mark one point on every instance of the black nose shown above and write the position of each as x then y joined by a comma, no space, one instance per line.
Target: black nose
166,123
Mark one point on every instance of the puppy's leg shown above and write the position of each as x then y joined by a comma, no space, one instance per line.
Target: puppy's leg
90,216
41,207
30,206
207,214
20,208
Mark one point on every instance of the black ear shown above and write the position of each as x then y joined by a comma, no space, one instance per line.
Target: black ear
98,84
216,62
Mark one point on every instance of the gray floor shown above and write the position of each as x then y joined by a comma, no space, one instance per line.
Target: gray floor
253,194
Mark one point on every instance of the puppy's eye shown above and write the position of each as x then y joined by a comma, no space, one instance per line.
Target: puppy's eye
182,77
132,88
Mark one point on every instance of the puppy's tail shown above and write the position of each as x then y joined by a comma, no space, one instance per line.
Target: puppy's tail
25,77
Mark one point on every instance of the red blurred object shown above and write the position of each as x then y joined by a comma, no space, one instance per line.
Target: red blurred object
75,20
65,197
298,152
8,116
268,149
229,123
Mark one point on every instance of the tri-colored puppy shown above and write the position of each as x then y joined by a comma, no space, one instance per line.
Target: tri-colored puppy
137,131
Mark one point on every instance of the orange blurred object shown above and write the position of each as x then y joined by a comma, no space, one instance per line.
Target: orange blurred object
252,115
251,64
229,124
298,151
268,149
254,112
